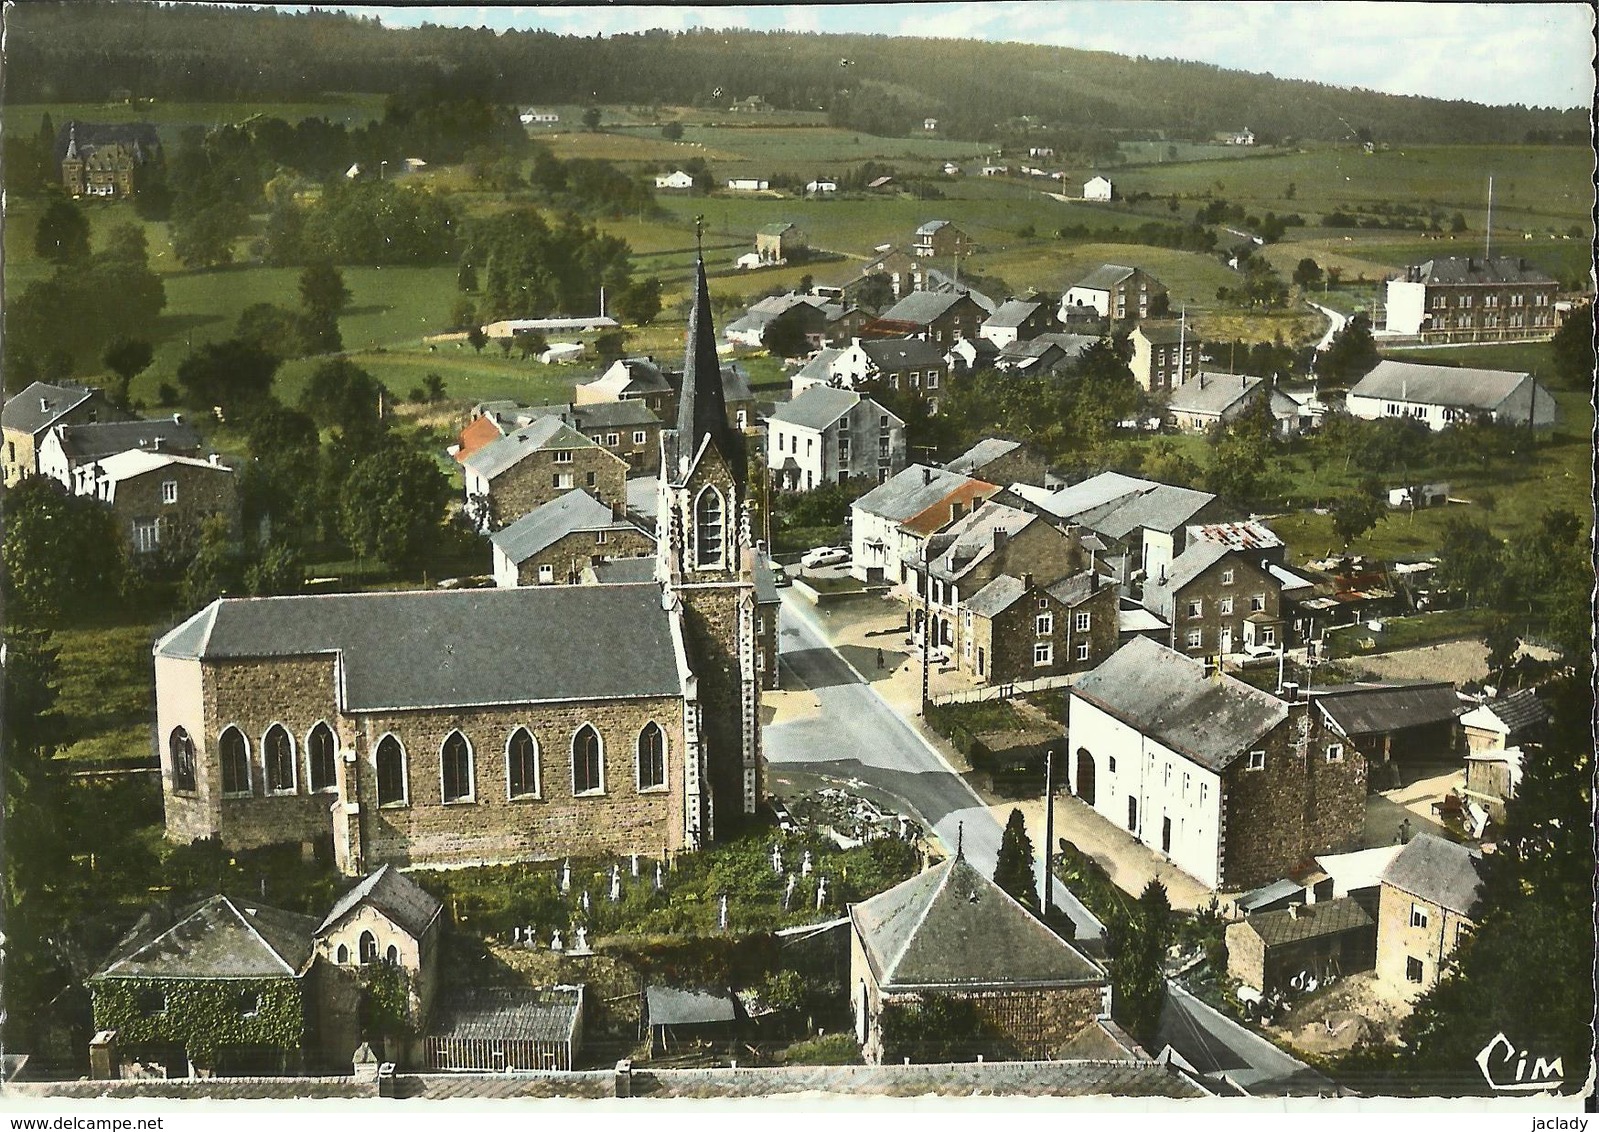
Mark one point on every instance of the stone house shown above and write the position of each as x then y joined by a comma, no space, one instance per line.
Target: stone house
828,435
1431,892
554,543
449,727
161,500
1440,396
221,959
940,238
386,919
970,553
541,462
1231,784
941,317
1469,299
1017,320
1000,461
1218,601
1290,949
951,933
1014,629
628,428
1210,399
1117,292
69,453
28,417
777,243
890,523
631,379
1165,355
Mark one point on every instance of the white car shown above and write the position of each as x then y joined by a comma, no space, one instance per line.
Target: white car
825,556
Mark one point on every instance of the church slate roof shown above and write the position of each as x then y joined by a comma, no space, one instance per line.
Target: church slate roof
951,927
218,938
454,648
391,892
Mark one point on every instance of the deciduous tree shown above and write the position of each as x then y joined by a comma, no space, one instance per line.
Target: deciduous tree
62,235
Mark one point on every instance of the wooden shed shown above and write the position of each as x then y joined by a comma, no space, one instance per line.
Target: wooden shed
503,1029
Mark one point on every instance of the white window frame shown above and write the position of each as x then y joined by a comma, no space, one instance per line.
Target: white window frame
562,456
1196,608
538,766
1043,654
1335,752
612,439
1082,651
1081,621
471,770
719,560
1044,624
1195,639
1257,760
147,535
169,491
1419,916
546,575
1226,606
642,437
563,481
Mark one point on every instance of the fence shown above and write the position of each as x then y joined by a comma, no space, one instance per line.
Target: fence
1004,691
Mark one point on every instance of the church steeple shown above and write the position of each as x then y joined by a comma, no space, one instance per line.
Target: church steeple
701,403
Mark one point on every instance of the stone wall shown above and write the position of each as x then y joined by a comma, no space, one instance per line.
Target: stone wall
1009,638
1249,581
1246,955
1398,940
203,491
568,556
535,480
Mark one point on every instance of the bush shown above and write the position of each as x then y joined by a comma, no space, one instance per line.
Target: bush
828,1049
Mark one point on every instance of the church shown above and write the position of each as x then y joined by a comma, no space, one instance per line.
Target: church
446,728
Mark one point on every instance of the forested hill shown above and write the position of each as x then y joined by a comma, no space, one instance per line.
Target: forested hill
86,51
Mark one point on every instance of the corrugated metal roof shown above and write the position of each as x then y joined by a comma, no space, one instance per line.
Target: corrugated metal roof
1366,709
507,1014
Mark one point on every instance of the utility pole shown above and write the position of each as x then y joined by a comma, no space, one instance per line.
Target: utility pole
927,627
1046,901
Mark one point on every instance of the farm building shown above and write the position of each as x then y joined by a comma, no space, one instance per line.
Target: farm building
1097,188
1301,945
1440,396
500,1029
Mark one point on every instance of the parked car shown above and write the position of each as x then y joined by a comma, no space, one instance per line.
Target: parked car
825,556
780,576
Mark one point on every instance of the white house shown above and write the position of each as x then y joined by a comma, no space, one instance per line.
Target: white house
828,435
889,523
821,188
1443,395
929,124
748,185
1096,188
539,117
1208,399
677,179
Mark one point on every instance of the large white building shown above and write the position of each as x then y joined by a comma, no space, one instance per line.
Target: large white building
828,435
1441,396
889,523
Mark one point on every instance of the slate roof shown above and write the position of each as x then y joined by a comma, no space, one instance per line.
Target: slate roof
104,438
817,407
453,648
507,1014
971,540
23,414
1374,709
1415,383
623,571
123,466
1164,507
996,597
1309,921
1164,695
218,938
1211,394
391,892
549,523
614,414
632,375
1165,333
1096,491
893,354
1190,564
990,448
911,492
668,1006
544,434
776,229
1012,313
1104,277
1519,711
953,927
820,367
1469,269
1439,872
930,227
922,307
1073,588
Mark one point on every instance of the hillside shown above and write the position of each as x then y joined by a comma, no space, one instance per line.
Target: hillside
874,84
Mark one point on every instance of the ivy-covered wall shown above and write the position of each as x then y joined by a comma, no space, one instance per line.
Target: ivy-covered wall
205,1015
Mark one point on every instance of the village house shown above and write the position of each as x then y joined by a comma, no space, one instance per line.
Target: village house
1301,947
627,428
29,416
795,324
1117,293
1045,353
952,933
1494,725
941,317
448,727
677,181
1440,396
899,363
1016,629
1218,601
972,355
821,187
69,453
1431,892
1207,400
161,501
1467,299
1000,461
536,117
827,435
1098,188
554,543
1165,355
631,379
1017,319
889,524
101,159
538,463
940,238
1232,784
778,243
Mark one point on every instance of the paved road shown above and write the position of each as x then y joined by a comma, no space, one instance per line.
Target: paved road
1218,1047
1336,319
857,735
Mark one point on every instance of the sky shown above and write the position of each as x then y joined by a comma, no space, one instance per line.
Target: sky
1499,53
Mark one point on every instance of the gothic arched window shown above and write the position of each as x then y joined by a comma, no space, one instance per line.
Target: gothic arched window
234,752
369,948
587,762
652,758
277,753
455,768
391,772
522,765
323,750
709,529
181,748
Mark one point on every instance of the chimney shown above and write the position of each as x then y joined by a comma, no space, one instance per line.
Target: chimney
1291,691
1000,534
1293,911
216,459
927,474
1027,582
155,443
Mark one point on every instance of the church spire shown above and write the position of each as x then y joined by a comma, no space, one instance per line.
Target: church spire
701,403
